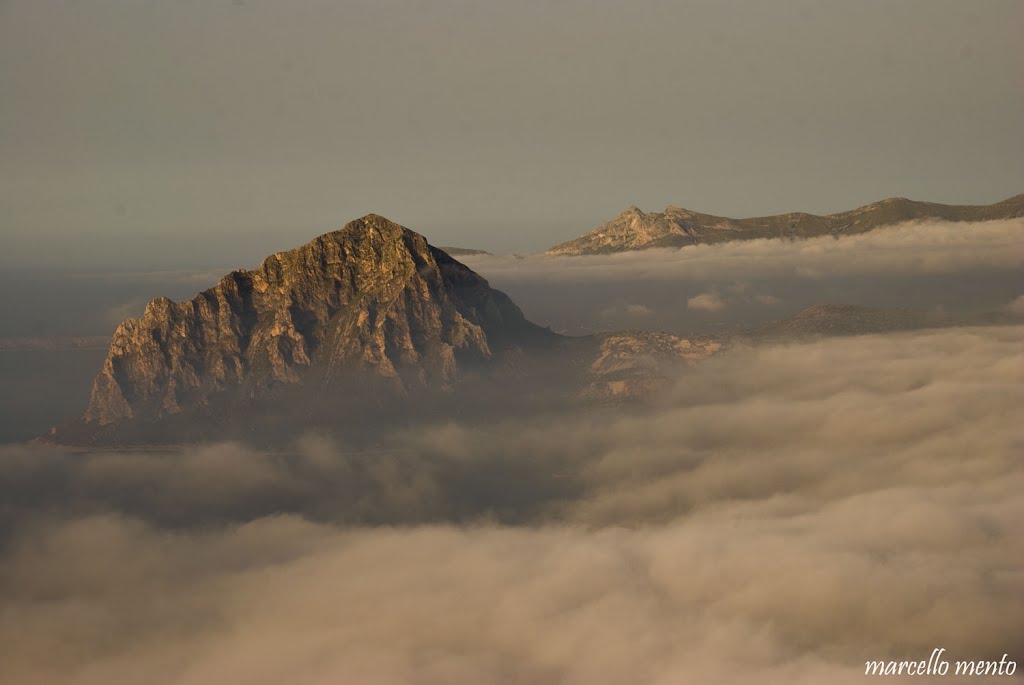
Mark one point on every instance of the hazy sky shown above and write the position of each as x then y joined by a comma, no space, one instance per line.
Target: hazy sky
141,133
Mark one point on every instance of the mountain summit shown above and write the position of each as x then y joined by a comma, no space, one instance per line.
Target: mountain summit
634,229
371,303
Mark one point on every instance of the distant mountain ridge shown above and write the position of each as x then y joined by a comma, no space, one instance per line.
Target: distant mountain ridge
635,229
826,320
62,342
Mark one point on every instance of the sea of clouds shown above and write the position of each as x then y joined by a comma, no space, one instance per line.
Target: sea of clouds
786,514
956,269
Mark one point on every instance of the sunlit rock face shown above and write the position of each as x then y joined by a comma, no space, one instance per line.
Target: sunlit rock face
372,298
637,365
677,227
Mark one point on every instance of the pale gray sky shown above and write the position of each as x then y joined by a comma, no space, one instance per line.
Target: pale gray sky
143,133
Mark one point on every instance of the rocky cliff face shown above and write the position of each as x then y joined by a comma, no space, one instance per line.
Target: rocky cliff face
372,300
637,365
677,227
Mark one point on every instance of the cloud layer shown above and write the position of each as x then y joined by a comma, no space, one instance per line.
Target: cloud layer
924,247
958,268
787,514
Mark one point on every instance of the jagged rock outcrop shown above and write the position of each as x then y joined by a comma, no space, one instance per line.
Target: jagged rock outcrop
632,365
372,300
677,227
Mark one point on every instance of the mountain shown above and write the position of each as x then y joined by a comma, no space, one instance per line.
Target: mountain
676,227
372,306
824,320
363,327
636,365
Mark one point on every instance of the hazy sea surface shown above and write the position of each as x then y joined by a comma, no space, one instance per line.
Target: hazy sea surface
41,388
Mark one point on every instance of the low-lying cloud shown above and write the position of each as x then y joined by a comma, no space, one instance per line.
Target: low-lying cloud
925,247
940,267
1016,306
708,302
786,514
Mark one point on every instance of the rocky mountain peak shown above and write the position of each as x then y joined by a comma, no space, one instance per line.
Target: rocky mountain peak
632,229
372,300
